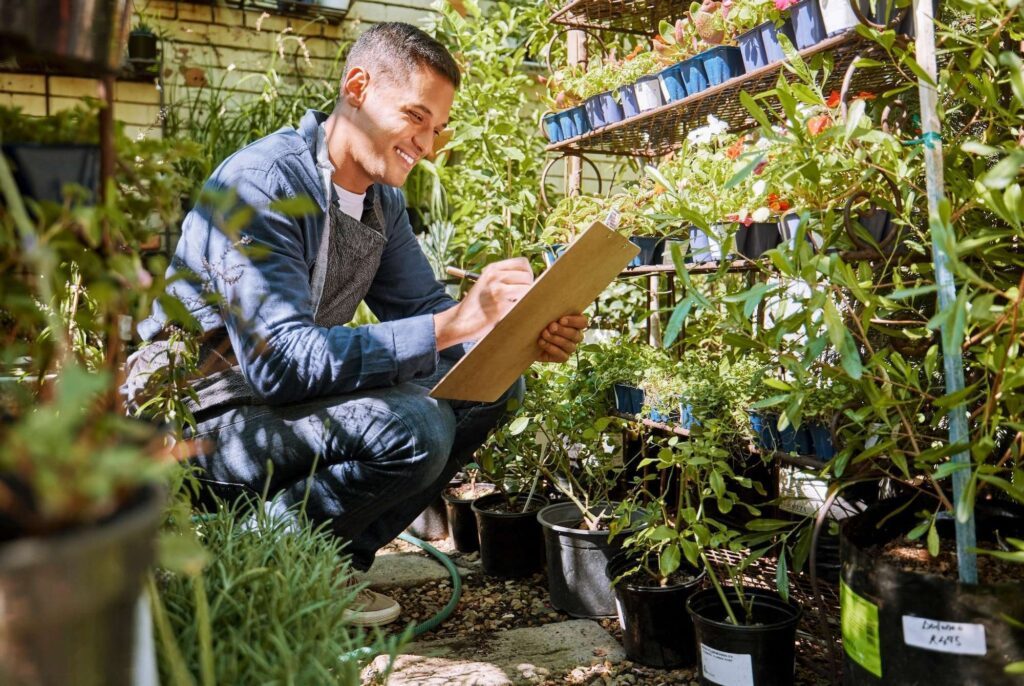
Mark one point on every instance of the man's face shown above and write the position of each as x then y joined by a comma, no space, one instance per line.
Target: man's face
398,117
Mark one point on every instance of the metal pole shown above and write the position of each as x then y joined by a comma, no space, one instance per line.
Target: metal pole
951,349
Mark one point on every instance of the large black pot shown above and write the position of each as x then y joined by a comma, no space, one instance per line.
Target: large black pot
757,654
910,628
462,521
68,34
578,561
42,170
143,51
68,601
656,629
511,543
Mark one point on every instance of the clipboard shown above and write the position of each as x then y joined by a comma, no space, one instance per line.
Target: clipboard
568,286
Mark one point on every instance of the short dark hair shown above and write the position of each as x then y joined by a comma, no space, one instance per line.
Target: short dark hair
382,45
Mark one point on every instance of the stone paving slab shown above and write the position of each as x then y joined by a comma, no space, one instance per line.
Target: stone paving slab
508,658
402,570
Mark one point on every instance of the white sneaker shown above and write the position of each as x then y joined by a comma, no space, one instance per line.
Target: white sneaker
370,608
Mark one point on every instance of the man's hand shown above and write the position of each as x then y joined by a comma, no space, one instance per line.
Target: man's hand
499,288
559,340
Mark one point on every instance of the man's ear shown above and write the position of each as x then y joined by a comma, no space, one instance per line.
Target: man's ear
354,85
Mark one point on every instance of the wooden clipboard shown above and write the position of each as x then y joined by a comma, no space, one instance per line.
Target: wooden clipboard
569,286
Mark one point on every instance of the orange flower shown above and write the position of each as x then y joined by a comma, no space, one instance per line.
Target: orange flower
815,125
658,189
833,99
777,204
865,95
736,149
637,50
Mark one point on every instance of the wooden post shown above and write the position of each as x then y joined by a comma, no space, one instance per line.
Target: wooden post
931,135
577,54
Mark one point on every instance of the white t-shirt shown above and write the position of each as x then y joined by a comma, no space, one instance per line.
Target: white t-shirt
350,203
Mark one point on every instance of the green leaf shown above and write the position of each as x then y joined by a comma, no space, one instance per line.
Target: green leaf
782,577
669,560
853,116
664,533
755,110
518,425
933,540
842,340
1004,172
742,174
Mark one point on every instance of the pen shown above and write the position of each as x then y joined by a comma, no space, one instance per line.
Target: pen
462,273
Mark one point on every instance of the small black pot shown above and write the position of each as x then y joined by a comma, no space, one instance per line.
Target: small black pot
462,521
511,543
652,250
758,238
628,399
578,561
41,171
143,52
656,629
759,654
912,628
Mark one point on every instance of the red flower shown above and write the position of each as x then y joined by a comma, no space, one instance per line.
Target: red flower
760,167
833,99
815,125
777,204
736,149
865,95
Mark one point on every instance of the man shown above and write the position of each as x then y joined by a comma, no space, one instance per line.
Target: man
342,415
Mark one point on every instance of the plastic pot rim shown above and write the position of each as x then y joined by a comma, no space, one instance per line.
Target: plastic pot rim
536,498
623,558
795,611
451,499
544,514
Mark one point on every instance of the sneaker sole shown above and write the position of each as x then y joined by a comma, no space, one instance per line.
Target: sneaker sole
376,618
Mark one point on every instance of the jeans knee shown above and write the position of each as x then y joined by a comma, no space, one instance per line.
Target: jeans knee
432,428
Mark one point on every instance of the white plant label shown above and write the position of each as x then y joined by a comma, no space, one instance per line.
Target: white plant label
944,637
726,669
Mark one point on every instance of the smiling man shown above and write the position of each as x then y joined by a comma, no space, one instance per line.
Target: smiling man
329,416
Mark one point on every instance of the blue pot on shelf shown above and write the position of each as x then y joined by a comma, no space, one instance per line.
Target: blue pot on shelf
627,98
567,125
672,83
551,127
628,399
579,120
722,63
659,416
770,38
804,444
821,442
752,49
652,250
693,74
602,110
686,418
767,435
553,252
808,25
595,115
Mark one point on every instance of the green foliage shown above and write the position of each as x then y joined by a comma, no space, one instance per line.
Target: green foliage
268,607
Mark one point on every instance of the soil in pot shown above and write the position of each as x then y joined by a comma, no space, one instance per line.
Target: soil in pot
759,653
458,500
905,617
511,542
656,629
577,560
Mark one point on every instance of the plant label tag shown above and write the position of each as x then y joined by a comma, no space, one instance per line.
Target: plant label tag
726,669
944,637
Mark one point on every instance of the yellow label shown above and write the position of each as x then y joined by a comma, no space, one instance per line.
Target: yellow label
859,619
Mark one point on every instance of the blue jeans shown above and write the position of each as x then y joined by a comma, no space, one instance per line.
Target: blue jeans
368,463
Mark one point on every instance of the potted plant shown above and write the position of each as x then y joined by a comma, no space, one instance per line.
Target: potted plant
458,499
755,25
143,48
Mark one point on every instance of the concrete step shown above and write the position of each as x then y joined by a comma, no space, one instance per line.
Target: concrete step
505,658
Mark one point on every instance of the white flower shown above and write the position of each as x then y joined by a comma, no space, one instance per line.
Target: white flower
760,186
761,215
716,125
231,67
700,136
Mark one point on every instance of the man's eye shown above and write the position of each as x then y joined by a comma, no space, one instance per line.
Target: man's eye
416,116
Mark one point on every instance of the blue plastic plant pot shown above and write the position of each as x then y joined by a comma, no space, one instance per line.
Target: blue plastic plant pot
694,78
628,399
804,443
821,442
752,49
672,83
700,246
553,252
611,111
658,416
551,127
766,435
592,108
808,26
788,437
627,98
770,38
722,63
686,418
579,120
652,250
567,125
648,92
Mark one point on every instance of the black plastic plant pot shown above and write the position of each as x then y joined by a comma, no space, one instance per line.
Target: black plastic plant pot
461,520
42,171
143,50
656,629
912,628
757,239
652,250
877,223
69,601
759,653
511,542
577,561
628,399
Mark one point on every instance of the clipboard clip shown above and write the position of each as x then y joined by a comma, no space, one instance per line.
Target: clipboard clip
612,220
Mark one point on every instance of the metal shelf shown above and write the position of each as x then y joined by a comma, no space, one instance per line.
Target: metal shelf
697,268
625,16
662,130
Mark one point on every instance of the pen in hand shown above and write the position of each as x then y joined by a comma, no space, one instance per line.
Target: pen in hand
462,273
